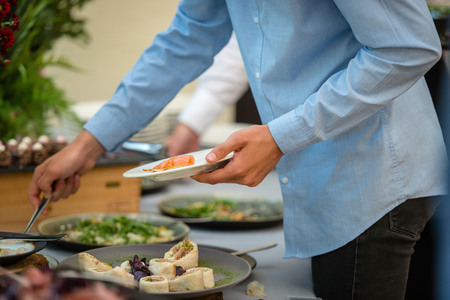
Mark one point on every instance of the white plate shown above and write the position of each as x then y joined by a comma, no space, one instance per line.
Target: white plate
200,166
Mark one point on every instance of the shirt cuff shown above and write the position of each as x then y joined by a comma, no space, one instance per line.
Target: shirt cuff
289,134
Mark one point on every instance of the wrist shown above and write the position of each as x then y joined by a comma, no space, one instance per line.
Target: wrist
89,145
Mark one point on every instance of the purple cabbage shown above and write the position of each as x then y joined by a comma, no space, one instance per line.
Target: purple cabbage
139,268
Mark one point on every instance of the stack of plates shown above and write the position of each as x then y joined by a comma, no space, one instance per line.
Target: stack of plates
219,132
156,132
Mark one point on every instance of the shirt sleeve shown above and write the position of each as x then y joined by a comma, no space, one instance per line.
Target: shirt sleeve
220,86
399,44
199,30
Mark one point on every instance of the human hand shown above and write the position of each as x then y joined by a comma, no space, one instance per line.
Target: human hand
255,155
182,140
61,172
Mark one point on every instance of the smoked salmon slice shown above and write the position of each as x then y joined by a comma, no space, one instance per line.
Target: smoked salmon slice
173,162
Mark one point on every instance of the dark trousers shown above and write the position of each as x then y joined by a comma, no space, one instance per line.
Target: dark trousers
376,264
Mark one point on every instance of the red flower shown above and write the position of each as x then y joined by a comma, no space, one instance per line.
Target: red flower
6,39
5,8
15,22
13,3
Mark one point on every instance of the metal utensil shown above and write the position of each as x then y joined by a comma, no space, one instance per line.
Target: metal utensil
254,249
37,212
148,148
33,238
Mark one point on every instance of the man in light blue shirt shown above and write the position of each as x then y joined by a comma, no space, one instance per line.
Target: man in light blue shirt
347,120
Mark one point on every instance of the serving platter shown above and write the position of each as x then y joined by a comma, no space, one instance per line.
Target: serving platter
30,247
200,166
259,211
229,270
63,223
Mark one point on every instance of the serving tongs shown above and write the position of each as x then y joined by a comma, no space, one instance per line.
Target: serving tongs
37,212
32,238
153,149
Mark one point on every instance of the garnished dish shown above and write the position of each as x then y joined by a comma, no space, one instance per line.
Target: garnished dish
177,271
162,271
173,162
224,209
218,208
86,231
116,230
186,165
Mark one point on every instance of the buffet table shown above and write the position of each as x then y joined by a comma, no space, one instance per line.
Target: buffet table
282,278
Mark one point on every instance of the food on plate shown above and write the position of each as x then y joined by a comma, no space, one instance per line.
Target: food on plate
173,162
116,230
139,267
159,274
165,267
256,289
116,272
13,247
32,261
154,284
87,262
184,254
217,209
208,276
191,280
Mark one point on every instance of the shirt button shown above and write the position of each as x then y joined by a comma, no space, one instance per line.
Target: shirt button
257,75
284,180
256,20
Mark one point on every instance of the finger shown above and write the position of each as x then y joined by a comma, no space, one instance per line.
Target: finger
222,150
67,189
76,183
225,175
45,183
59,188
34,192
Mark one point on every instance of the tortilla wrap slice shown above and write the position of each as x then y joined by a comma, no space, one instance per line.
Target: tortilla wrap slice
163,267
86,261
191,280
154,284
184,254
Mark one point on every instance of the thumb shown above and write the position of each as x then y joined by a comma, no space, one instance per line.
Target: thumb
219,152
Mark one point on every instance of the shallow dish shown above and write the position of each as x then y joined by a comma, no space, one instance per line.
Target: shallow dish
31,247
229,270
55,225
200,166
264,211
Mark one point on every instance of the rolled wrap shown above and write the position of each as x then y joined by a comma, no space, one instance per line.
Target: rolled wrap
191,280
162,266
184,254
154,284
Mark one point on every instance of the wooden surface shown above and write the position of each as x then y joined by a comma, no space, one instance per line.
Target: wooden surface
103,189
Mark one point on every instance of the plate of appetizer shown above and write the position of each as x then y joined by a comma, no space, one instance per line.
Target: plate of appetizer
176,167
164,271
93,230
222,209
12,251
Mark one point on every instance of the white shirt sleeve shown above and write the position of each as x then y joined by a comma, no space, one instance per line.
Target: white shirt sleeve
218,87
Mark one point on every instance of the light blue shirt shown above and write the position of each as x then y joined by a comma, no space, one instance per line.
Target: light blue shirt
340,84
